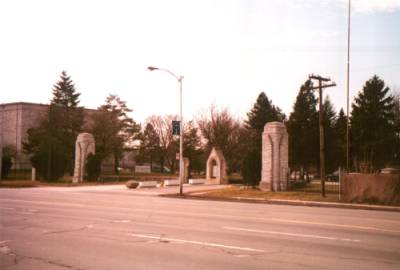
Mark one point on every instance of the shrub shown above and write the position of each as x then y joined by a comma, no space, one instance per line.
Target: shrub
93,167
50,166
6,165
251,168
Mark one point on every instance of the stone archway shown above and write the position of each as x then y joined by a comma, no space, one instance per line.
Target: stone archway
83,147
216,168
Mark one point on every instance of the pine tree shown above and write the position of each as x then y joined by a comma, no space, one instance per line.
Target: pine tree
396,112
341,133
113,129
373,130
303,130
150,145
70,117
263,111
52,144
331,138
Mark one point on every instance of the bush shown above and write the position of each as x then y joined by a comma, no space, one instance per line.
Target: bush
6,165
93,167
56,164
251,168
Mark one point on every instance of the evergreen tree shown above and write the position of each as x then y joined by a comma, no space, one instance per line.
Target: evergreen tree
331,138
70,117
303,130
373,130
396,112
150,145
263,111
52,144
113,129
341,133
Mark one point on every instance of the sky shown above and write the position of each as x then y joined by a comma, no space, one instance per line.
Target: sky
227,50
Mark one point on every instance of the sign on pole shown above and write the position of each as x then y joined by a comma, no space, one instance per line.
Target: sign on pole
176,127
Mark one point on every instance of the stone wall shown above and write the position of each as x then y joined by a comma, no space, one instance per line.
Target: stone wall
371,188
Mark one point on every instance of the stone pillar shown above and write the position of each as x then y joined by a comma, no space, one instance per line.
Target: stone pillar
83,147
216,176
186,164
275,161
33,174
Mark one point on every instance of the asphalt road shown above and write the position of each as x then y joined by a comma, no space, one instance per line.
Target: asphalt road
114,228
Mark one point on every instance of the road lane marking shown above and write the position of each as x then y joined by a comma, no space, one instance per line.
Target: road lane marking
44,203
199,215
292,234
6,208
206,244
334,225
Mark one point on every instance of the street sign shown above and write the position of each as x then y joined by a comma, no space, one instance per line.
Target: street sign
176,127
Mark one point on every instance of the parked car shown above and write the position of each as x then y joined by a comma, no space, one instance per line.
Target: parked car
333,177
157,168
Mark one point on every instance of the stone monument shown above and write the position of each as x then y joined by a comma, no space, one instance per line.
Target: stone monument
275,161
83,147
216,168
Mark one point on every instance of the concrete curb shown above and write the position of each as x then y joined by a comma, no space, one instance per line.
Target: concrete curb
289,202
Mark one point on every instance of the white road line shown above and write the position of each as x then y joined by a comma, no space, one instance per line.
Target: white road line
153,211
44,202
292,234
334,225
6,208
206,244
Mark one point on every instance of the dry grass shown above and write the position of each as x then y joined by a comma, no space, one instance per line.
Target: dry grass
237,192
18,184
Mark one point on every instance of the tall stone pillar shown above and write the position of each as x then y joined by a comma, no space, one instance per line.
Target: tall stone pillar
83,147
275,161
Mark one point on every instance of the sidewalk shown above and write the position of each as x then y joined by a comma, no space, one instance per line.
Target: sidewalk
121,188
198,196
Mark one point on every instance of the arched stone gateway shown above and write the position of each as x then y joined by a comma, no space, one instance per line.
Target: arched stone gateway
275,161
83,147
216,168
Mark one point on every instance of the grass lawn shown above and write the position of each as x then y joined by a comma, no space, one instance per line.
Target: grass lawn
236,192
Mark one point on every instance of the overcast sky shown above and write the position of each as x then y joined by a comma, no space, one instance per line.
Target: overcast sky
227,50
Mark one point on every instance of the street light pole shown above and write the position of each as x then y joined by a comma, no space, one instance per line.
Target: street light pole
348,86
179,78
1,142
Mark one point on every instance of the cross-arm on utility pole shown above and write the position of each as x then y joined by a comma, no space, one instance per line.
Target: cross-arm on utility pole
320,87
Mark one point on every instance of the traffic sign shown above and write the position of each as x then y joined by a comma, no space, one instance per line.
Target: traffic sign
176,127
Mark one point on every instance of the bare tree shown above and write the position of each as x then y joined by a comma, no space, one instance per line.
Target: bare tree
168,144
220,129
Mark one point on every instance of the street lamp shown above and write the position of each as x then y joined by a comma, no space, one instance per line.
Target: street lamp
179,78
347,90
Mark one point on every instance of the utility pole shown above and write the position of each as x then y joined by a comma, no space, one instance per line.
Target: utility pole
320,87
